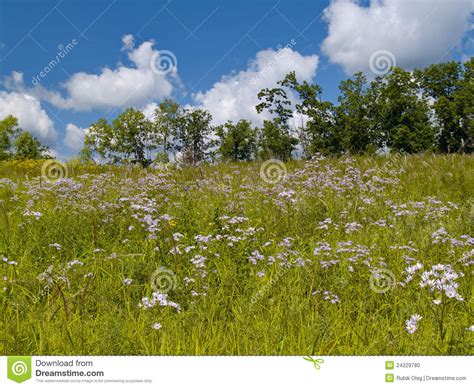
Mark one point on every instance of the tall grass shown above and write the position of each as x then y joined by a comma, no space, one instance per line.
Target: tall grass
314,257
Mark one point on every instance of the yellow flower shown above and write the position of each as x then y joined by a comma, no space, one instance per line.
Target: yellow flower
172,223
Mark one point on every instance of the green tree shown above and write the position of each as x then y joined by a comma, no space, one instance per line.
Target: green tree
99,140
353,116
7,129
464,98
402,115
192,134
28,147
275,137
320,131
273,142
450,88
164,125
127,140
236,141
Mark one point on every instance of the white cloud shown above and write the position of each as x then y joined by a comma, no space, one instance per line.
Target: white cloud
149,110
417,32
31,117
120,87
234,97
128,42
14,81
74,138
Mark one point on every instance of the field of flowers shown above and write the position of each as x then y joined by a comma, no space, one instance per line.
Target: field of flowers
359,256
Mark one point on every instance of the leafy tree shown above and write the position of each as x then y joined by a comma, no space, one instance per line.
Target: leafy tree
444,84
28,147
275,137
7,130
164,125
464,98
192,134
126,140
99,140
402,116
321,133
236,141
353,116
273,142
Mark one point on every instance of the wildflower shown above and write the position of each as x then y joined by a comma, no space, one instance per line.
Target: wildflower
255,256
160,299
157,326
56,245
261,274
127,282
411,324
74,263
470,328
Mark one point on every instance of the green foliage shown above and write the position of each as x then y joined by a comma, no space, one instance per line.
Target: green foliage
402,116
451,87
193,129
319,133
275,142
18,144
28,147
164,125
354,116
275,139
7,130
127,139
236,141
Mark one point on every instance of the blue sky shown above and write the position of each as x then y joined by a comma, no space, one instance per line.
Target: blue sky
209,40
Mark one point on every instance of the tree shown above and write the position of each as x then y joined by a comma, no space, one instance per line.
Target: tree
7,130
320,131
99,140
192,134
273,142
451,92
28,147
164,125
402,115
236,141
127,140
353,116
464,98
275,137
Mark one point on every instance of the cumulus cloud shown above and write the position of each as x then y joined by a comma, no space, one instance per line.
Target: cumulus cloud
234,97
74,138
31,117
119,87
416,32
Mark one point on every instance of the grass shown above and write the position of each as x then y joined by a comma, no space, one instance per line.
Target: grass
234,246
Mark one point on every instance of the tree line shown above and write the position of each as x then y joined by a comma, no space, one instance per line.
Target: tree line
429,109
